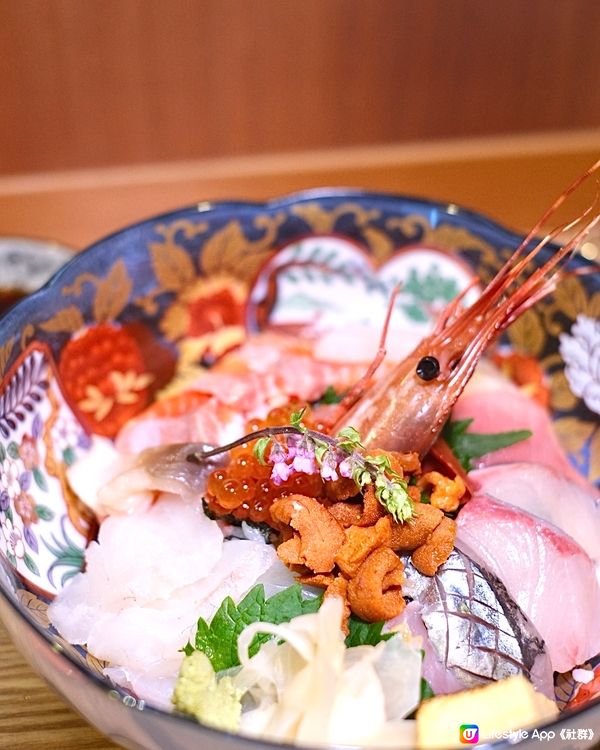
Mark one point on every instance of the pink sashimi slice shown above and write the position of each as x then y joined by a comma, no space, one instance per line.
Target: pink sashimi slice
501,410
546,493
291,366
212,422
248,393
546,572
247,383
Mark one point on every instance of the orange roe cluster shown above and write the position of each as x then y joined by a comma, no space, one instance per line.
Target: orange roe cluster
243,488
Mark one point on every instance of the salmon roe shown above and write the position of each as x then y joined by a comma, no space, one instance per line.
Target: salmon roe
243,488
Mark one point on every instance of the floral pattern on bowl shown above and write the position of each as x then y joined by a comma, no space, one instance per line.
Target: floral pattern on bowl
581,353
328,281
43,529
96,346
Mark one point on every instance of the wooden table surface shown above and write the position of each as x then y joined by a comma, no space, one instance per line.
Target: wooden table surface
32,716
511,179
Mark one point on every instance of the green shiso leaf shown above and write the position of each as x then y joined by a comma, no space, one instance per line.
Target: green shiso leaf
362,633
468,445
218,640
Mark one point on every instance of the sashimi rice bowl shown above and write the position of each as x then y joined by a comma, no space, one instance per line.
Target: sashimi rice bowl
320,471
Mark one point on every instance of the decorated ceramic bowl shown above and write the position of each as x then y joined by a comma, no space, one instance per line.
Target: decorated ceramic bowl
167,296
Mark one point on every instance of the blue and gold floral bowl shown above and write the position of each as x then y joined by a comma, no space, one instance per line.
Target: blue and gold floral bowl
164,297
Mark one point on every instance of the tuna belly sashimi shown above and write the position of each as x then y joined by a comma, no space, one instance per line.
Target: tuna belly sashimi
546,572
496,405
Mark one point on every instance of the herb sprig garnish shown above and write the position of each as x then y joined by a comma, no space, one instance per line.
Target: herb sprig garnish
310,452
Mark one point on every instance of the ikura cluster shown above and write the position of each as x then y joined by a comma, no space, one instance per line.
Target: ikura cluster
245,488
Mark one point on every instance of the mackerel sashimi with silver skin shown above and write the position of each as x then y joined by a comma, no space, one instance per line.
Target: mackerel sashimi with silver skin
476,629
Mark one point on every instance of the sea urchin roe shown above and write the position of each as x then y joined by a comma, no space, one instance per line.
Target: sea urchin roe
319,536
406,537
375,592
429,537
360,542
437,549
446,493
321,532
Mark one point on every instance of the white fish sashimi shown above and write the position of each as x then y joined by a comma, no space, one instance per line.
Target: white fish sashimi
146,556
148,579
138,559
143,639
547,573
239,567
545,493
74,610
147,639
156,690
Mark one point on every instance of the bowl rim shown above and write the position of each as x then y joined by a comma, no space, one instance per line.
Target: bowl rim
476,219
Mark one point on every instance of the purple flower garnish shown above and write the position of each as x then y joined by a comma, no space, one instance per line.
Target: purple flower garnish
346,468
281,472
329,466
278,453
305,464
304,458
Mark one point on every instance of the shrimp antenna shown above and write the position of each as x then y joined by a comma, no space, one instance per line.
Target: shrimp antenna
542,221
452,308
539,284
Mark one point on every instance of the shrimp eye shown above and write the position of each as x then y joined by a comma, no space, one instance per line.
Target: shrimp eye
428,368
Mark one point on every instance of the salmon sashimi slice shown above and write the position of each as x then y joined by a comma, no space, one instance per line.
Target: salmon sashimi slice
176,405
212,422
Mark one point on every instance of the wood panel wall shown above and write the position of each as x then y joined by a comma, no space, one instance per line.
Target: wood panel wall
99,82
